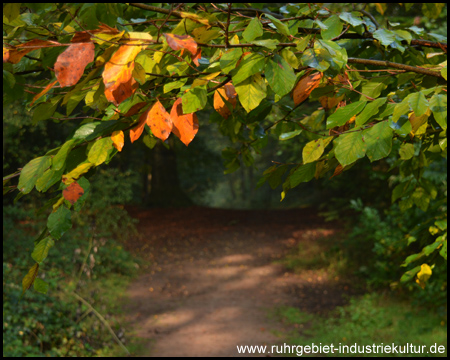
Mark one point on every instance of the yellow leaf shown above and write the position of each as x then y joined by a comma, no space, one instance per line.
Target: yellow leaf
118,139
423,275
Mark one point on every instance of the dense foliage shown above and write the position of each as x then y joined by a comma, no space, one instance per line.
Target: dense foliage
143,72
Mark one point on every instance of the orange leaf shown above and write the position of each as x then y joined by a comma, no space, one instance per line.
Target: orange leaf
159,121
228,92
119,69
197,56
184,126
70,65
21,50
306,84
136,132
43,92
330,102
181,42
135,109
73,192
121,92
5,55
118,139
81,36
339,169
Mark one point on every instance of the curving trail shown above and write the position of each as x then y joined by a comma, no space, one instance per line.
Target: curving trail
212,278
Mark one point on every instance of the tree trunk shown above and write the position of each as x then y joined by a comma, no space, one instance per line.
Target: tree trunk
165,188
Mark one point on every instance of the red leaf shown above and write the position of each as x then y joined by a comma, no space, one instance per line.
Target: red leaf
181,42
73,192
184,126
43,92
159,121
70,65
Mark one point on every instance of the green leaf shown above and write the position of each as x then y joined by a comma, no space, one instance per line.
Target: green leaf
275,178
280,75
441,224
31,172
314,149
404,35
9,79
48,179
29,278
352,18
251,92
401,190
229,60
59,159
194,100
334,28
374,87
438,105
418,102
11,11
350,147
410,274
406,151
432,10
250,65
345,113
386,37
281,27
444,72
253,30
400,109
304,173
290,57
443,251
84,132
289,135
370,110
99,151
59,222
41,249
378,140
44,111
41,286
267,43
421,198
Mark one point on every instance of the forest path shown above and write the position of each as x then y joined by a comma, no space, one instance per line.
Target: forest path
212,278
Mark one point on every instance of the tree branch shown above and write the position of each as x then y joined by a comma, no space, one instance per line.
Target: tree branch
395,65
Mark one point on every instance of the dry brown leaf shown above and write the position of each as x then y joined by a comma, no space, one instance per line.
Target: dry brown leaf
305,86
70,65
339,169
185,126
329,102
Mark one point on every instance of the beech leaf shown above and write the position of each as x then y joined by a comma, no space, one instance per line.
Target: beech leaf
70,65
305,86
185,126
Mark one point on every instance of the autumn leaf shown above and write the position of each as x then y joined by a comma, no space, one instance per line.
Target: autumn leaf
181,42
329,102
197,56
159,121
81,37
122,91
5,55
136,132
228,92
117,76
70,65
339,169
73,192
118,139
305,86
43,92
135,109
185,126
19,51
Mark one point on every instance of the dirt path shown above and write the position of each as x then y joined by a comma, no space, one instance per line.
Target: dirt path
212,278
